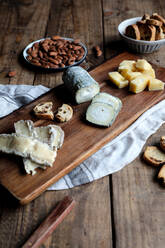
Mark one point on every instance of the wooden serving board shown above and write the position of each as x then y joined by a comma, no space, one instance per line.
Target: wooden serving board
81,139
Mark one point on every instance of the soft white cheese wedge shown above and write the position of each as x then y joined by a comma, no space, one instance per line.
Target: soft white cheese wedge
100,114
27,147
52,135
116,78
155,84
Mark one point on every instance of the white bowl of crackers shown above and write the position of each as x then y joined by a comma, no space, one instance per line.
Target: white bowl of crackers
143,34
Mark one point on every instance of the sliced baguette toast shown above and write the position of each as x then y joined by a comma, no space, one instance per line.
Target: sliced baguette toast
154,156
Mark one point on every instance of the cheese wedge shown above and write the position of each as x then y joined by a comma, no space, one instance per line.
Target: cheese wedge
27,147
127,65
143,65
129,75
138,84
155,84
53,135
118,79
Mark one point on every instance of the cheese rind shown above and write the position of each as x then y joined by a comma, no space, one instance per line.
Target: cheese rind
80,84
138,84
27,147
118,79
155,84
53,135
104,97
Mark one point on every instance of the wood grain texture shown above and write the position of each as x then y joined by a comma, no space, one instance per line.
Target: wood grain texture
82,228
50,223
25,188
89,225
136,197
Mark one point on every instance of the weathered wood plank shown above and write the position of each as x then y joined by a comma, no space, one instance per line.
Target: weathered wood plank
137,200
21,22
89,223
79,20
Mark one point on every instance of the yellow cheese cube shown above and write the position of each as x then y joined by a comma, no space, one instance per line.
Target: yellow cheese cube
138,84
127,65
150,73
118,79
155,84
130,75
143,65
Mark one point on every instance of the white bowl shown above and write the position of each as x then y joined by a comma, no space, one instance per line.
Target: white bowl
139,46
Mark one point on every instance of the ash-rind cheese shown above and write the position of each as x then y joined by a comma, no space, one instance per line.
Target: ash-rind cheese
80,84
103,109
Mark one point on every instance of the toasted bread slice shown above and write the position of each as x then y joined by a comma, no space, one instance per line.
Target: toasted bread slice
158,17
132,31
154,156
154,22
145,17
162,143
161,174
147,32
44,110
65,113
159,33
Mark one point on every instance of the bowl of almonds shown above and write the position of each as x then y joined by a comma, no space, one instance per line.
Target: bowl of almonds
55,53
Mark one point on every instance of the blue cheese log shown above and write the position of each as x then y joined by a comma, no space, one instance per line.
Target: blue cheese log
103,109
80,84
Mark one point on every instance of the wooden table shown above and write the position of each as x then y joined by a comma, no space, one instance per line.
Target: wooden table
123,210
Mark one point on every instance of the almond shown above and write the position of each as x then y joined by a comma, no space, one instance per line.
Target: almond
12,73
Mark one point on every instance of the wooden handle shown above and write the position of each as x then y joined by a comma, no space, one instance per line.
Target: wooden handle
50,223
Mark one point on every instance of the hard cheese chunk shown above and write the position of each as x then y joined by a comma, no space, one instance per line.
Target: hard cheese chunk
150,73
118,79
155,84
143,65
138,84
27,147
127,65
129,75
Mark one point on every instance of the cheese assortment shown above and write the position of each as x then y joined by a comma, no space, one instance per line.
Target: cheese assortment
103,109
137,75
